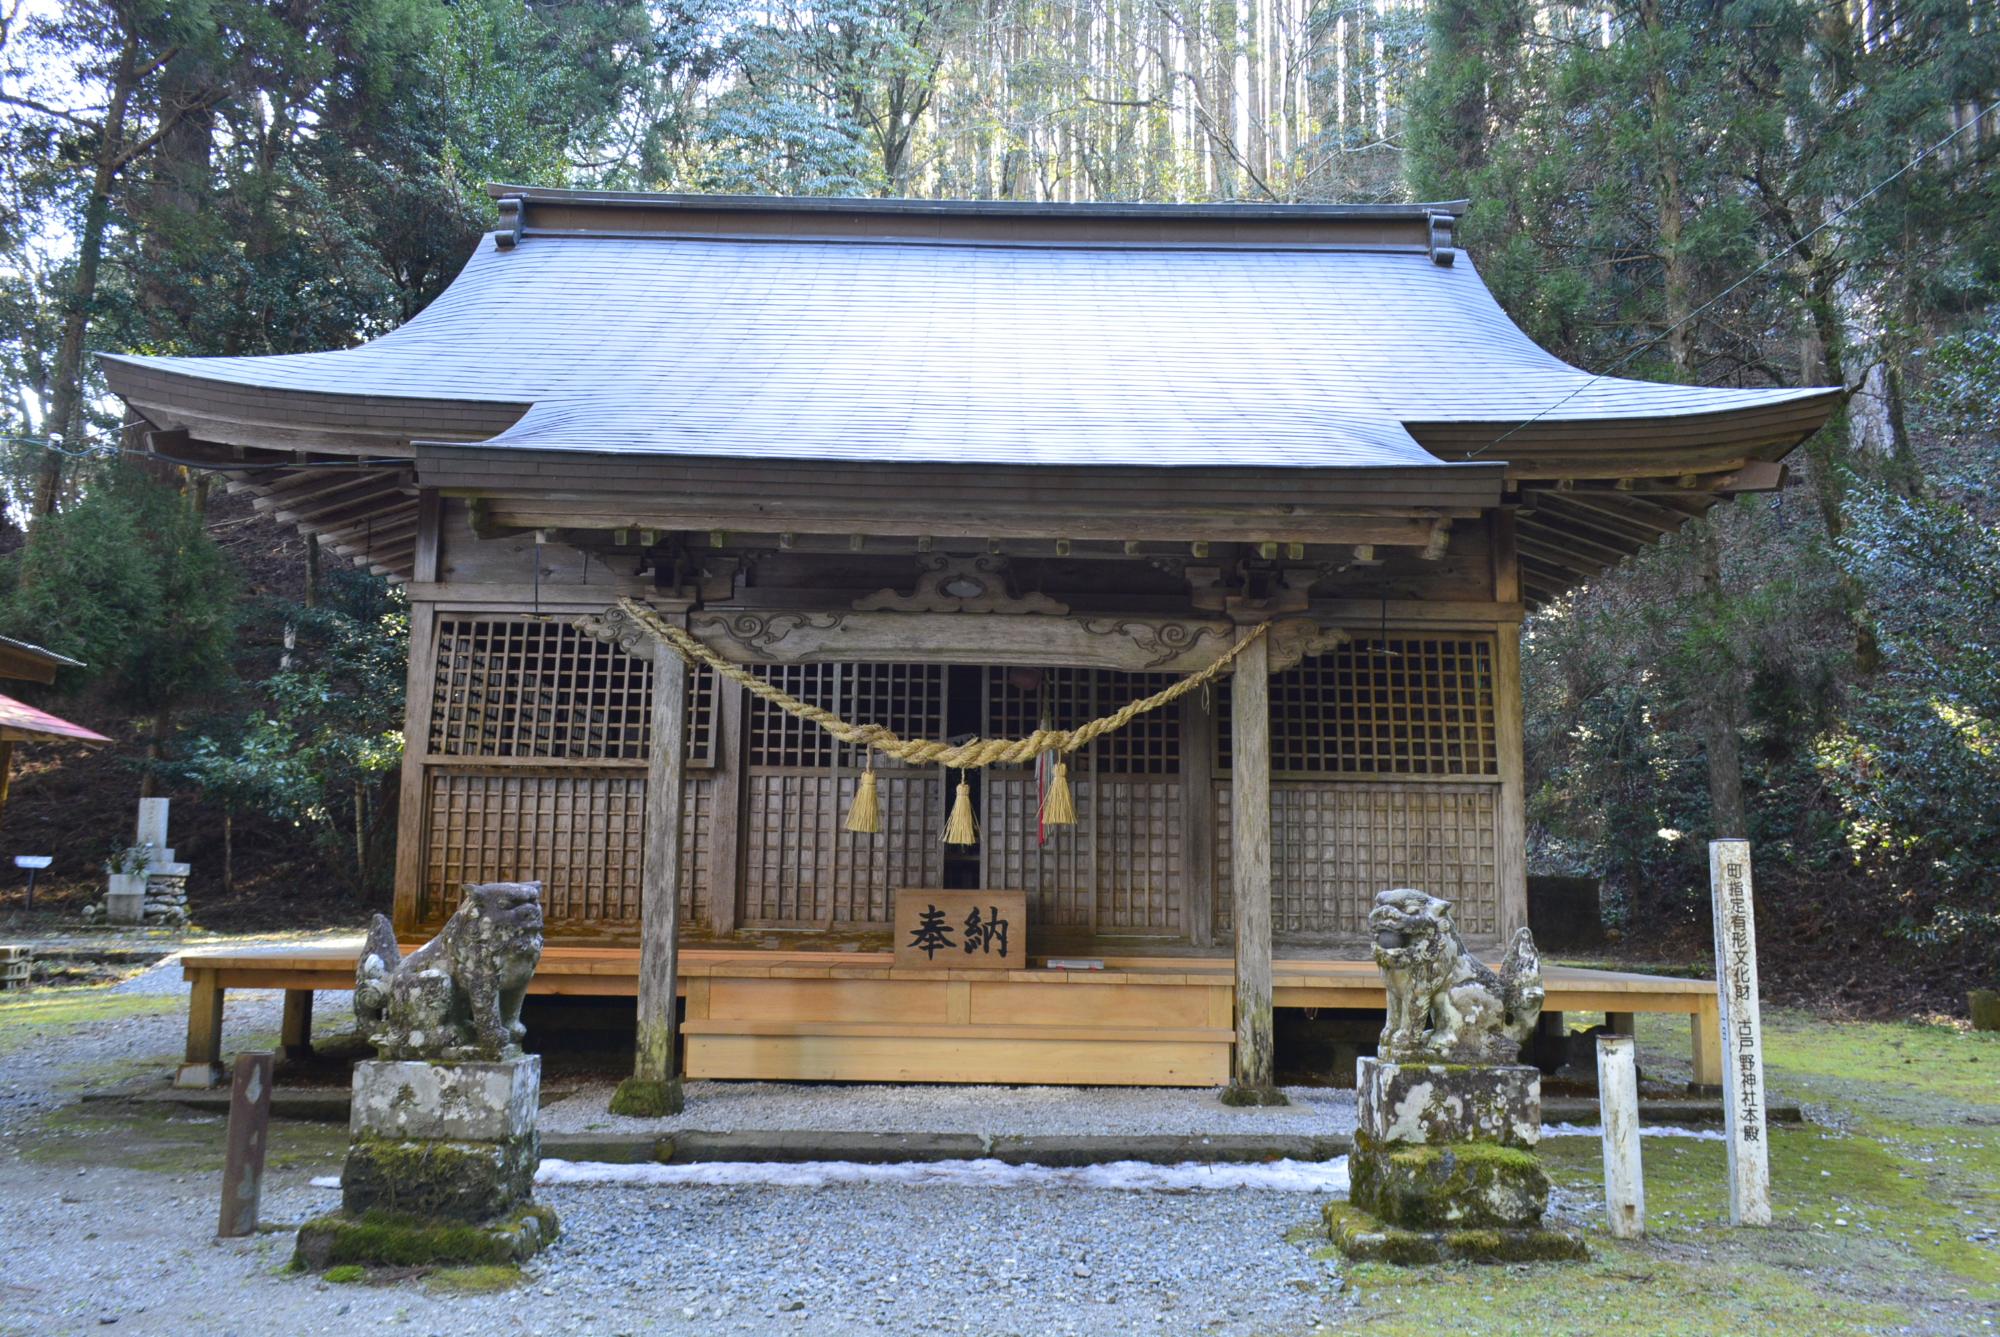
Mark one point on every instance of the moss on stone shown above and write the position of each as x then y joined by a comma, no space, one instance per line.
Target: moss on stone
1363,1238
489,1279
391,1239
1253,1095
429,1177
1457,1185
345,1274
638,1098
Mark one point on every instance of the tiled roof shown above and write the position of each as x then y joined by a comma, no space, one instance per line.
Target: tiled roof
904,350
20,721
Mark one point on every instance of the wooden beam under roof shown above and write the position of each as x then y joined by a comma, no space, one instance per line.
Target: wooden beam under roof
1249,524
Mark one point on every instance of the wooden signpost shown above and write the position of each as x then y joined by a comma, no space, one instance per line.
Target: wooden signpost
1618,1104
1742,1033
247,1141
976,930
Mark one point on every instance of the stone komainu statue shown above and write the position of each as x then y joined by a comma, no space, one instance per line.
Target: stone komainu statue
1444,1005
459,995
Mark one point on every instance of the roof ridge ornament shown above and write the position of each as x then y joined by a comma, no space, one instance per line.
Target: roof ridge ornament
1443,228
513,221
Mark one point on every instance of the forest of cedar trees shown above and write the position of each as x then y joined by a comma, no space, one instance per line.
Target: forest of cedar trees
1717,192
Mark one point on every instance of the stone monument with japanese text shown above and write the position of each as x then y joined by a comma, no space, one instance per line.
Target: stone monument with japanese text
1742,1033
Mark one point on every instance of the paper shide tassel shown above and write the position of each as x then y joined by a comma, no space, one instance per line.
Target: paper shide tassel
865,817
1059,809
961,829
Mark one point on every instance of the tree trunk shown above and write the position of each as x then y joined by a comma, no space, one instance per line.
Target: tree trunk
156,751
312,571
228,850
1672,204
66,409
1722,707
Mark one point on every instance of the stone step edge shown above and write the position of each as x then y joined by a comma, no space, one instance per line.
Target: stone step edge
330,1104
1060,1150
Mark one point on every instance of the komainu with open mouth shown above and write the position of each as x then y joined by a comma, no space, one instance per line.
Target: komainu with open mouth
1444,1004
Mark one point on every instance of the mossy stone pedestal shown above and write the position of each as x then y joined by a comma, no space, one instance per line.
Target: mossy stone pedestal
1444,1167
441,1168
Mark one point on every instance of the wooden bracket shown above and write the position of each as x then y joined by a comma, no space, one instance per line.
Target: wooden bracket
1439,542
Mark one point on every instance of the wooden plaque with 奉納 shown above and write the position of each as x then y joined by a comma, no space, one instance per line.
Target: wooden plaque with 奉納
975,930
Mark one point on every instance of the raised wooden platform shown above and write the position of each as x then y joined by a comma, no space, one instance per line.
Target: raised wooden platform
856,1016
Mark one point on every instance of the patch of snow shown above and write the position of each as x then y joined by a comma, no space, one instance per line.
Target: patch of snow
1282,1176
1650,1130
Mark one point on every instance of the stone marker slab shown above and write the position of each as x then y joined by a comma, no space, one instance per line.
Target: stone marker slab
458,1102
152,825
1431,1104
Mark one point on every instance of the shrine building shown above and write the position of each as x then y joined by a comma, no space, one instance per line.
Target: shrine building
967,472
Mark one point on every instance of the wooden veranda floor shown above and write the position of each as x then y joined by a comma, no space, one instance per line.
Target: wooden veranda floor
856,1016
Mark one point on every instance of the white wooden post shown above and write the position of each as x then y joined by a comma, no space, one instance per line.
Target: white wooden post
1618,1111
1742,1033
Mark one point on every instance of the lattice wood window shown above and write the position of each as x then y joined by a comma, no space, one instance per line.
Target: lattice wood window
1151,743
1333,846
1068,698
800,868
1118,870
523,687
1407,705
778,738
907,698
583,835
702,686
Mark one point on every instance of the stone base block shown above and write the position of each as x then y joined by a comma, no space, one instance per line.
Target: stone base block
1447,1102
198,1076
1451,1187
460,1102
439,1179
394,1240
1364,1239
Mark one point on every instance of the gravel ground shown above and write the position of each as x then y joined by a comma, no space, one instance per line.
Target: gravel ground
1016,1111
109,1248
93,1247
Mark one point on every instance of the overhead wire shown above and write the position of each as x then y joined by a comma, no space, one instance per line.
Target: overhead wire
1773,259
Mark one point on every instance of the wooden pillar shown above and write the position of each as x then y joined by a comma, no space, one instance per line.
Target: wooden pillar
203,1067
1705,1027
1198,819
1252,1082
419,686
653,1088
295,1030
1510,863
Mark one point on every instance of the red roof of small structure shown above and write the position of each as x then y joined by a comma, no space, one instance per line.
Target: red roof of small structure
22,723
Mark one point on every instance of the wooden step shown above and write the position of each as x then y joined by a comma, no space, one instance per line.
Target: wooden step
952,1031
1001,1055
